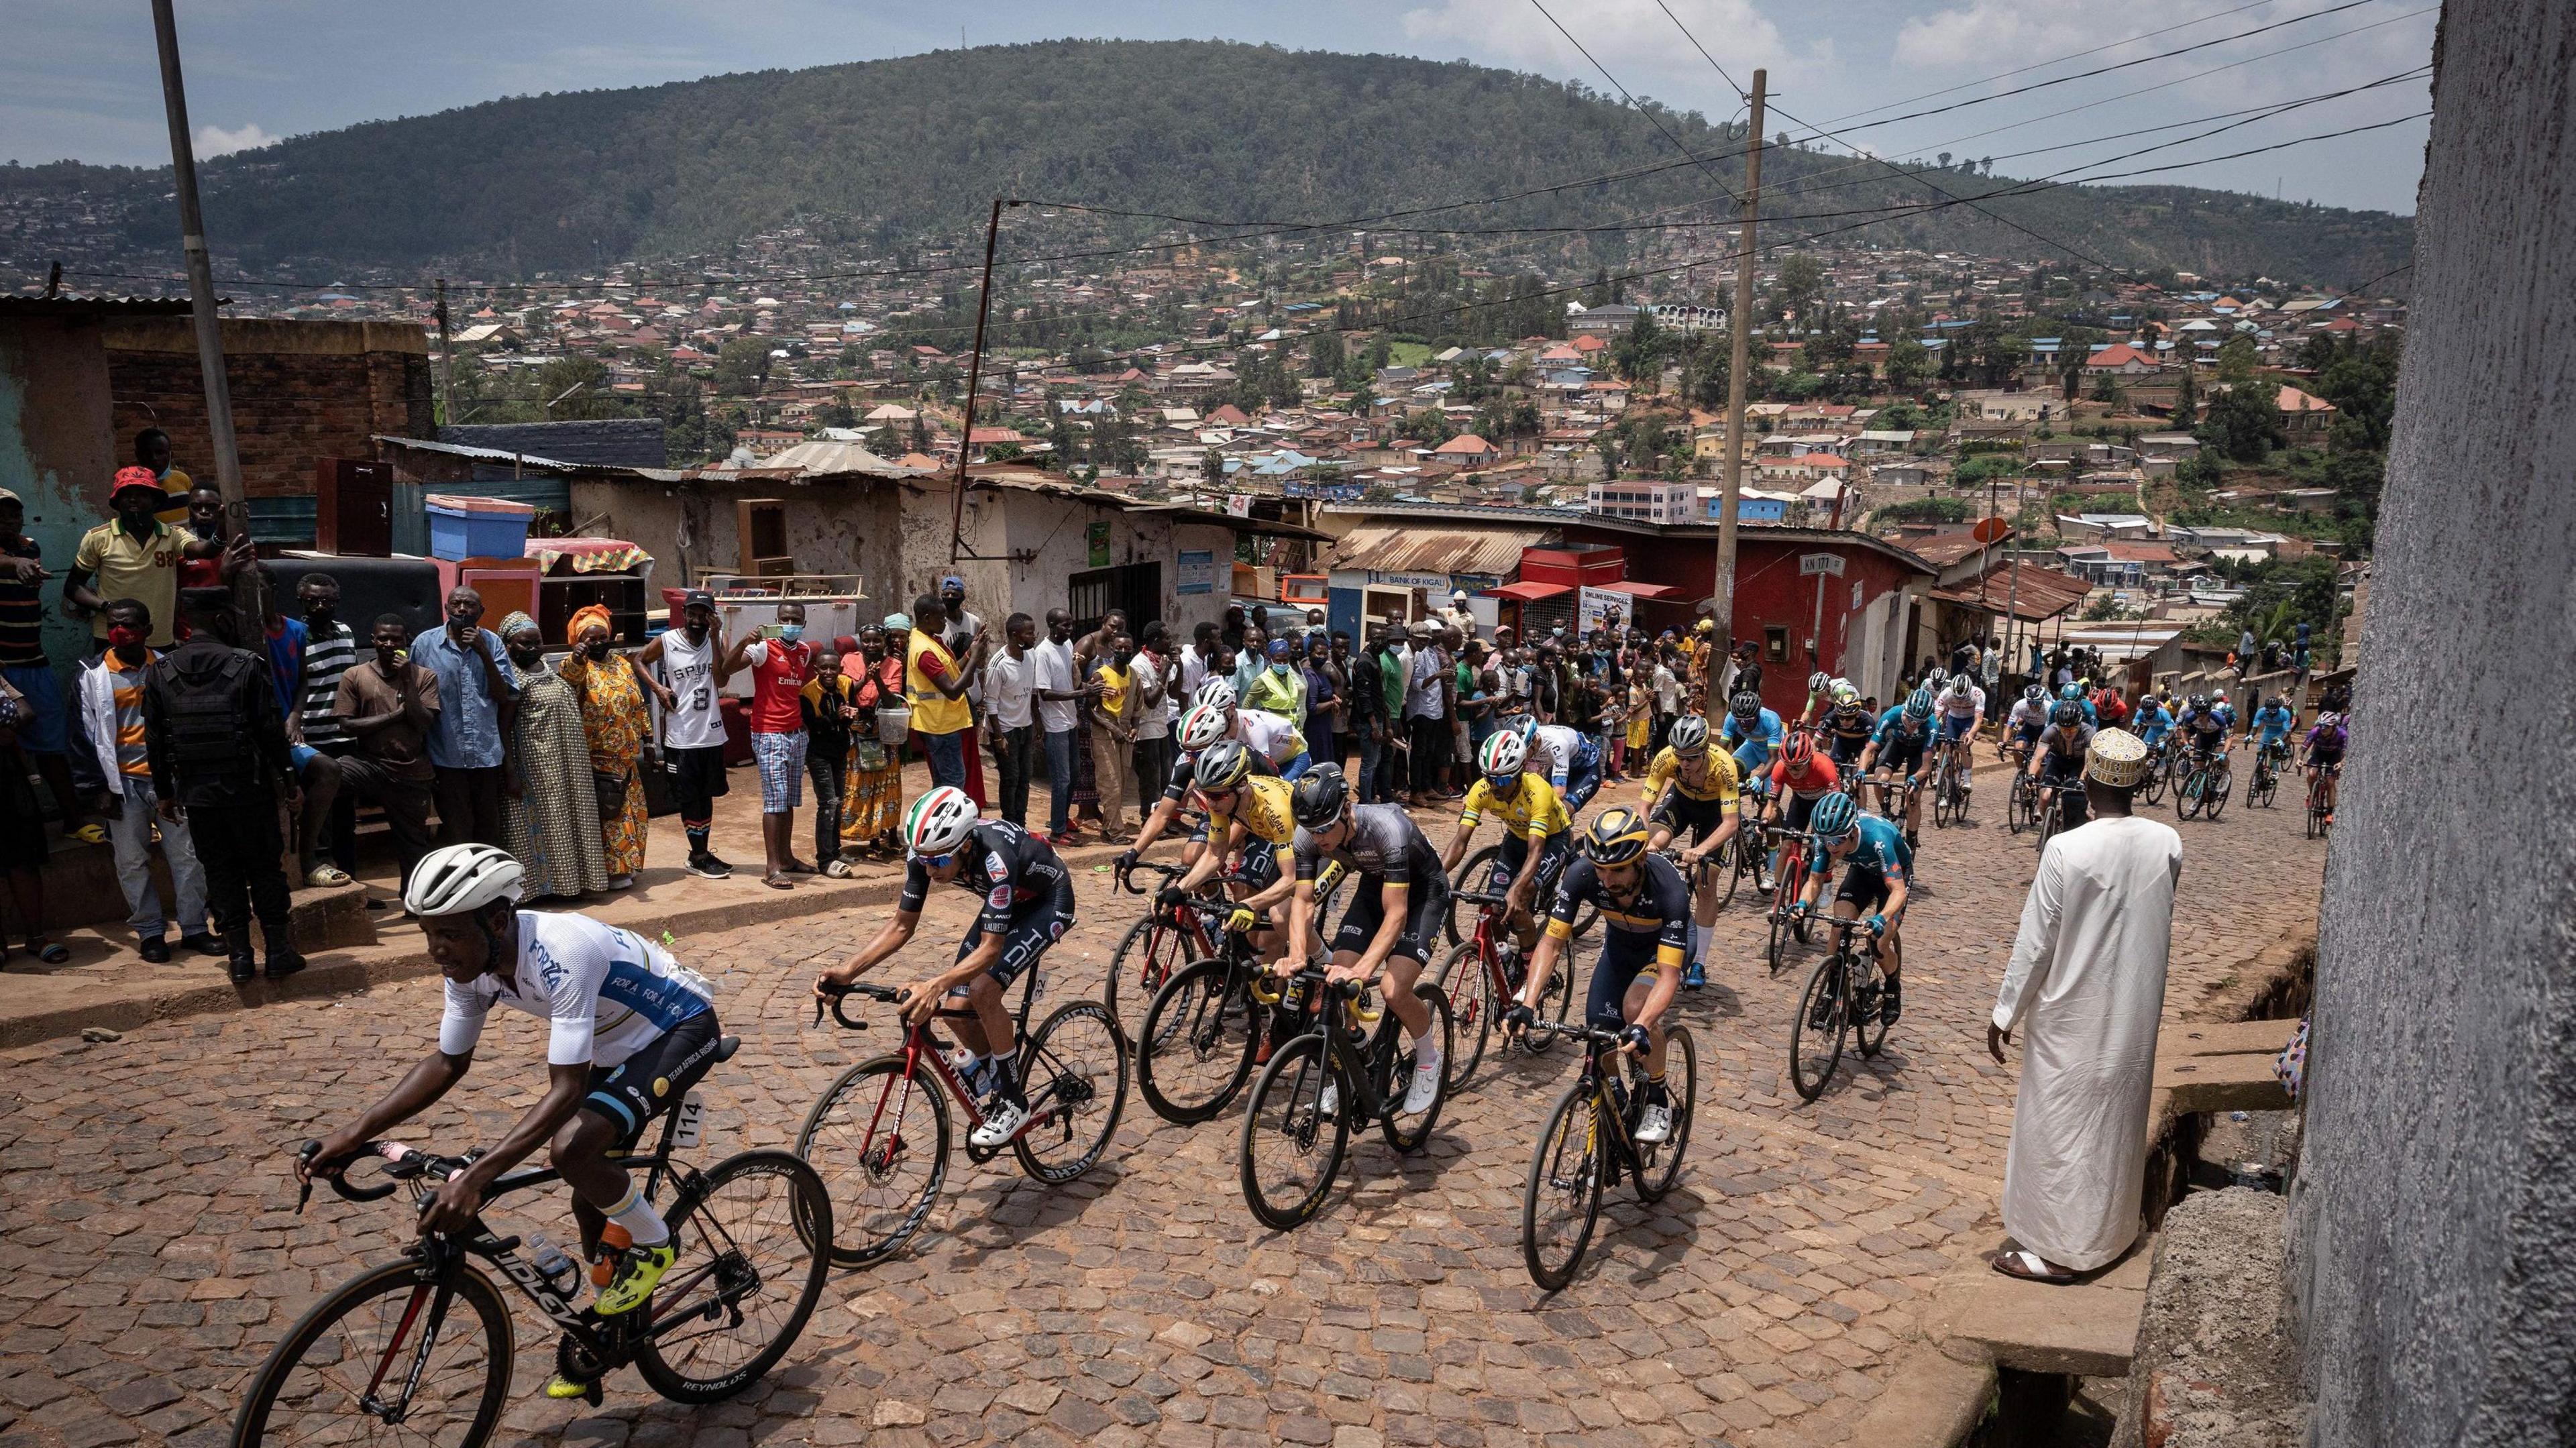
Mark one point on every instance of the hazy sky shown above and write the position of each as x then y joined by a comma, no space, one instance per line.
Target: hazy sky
78,78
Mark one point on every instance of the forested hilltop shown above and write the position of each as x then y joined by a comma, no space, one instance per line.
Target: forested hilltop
899,153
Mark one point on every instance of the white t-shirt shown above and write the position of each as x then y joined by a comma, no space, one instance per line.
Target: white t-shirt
1055,671
1274,738
1668,691
689,672
1010,688
606,993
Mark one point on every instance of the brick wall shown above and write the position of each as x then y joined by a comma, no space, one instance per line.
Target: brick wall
301,391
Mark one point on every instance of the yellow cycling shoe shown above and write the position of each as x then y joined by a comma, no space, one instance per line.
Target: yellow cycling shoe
560,1386
639,1270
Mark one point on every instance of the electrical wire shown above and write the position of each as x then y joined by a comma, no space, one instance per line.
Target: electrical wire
1632,100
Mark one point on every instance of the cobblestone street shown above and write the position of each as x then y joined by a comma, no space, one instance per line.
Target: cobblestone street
151,1256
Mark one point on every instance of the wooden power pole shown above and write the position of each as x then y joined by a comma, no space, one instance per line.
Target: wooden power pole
974,377
1740,329
201,305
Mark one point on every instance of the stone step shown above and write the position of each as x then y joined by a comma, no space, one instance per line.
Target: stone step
2088,1328
2222,1083
2229,1038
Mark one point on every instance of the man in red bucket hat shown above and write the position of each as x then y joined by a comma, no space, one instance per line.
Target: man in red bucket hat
133,555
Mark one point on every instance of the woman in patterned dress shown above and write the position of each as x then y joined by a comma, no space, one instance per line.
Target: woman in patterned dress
614,718
551,813
872,804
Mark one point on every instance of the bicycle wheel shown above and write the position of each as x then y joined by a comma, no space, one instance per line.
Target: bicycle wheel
1816,1037
1660,1165
1290,1149
1407,1133
364,1335
1720,871
2152,791
1552,1004
1194,1048
878,1137
754,1239
1471,874
1778,948
1563,1198
1470,989
1146,957
1073,1069
2215,795
1868,1026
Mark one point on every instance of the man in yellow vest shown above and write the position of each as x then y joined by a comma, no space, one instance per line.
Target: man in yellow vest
935,681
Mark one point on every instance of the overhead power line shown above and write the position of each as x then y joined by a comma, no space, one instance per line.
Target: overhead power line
1632,100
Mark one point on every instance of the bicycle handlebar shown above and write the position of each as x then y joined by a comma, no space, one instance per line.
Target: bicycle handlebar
401,1163
1169,872
1477,897
838,995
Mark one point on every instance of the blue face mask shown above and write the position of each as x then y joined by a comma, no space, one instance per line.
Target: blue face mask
1280,667
791,632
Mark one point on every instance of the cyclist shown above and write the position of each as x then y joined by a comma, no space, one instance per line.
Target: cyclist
2271,724
1644,916
1572,761
1799,777
2078,693
1398,899
1751,732
1690,786
1248,814
1904,732
1538,831
1875,881
2324,748
629,1031
1028,906
1848,724
1820,697
2203,728
2058,762
1266,734
2152,722
1961,709
2029,716
1202,726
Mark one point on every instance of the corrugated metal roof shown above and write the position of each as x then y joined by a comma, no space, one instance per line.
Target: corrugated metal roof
2043,593
1422,550
72,305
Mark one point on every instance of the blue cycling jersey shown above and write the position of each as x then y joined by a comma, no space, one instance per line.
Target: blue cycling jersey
1892,729
2152,728
1882,848
1753,749
2274,724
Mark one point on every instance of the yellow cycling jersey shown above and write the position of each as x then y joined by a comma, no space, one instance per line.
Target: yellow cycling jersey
1535,809
1718,787
1263,809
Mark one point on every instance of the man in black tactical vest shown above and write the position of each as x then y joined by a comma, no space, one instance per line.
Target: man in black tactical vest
219,761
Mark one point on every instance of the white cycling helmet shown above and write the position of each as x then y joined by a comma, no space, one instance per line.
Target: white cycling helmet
462,879
1216,692
1690,734
940,821
1503,756
1202,726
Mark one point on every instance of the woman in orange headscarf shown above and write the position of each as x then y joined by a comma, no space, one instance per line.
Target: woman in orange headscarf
620,731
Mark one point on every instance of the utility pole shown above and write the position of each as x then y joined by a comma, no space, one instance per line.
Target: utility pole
1738,349
201,304
446,378
974,375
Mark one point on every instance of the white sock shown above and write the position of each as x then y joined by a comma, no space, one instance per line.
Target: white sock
1426,1056
644,1226
1699,942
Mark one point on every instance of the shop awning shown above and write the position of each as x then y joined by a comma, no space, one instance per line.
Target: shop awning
1529,592
1640,590
1428,550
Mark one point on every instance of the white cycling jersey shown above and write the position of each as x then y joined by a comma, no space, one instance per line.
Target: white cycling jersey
605,993
1968,707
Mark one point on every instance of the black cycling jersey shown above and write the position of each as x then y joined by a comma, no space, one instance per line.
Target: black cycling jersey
1015,874
1184,772
1660,910
1383,844
2202,727
2057,740
1850,721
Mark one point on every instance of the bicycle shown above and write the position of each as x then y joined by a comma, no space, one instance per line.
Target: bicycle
1950,787
865,1128
2021,811
1291,1148
1591,1137
1843,992
1480,987
1478,868
2160,765
2205,786
1204,1032
2263,782
1788,882
752,1236
2321,798
1157,945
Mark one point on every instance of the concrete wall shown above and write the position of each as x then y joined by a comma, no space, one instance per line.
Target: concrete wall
301,391
689,528
56,450
2434,1224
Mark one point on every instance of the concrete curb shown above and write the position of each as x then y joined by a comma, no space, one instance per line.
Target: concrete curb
1930,1401
343,972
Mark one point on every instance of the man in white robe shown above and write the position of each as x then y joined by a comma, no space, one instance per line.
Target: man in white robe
2087,978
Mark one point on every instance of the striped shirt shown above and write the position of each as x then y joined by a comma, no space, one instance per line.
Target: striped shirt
328,653
22,611
125,683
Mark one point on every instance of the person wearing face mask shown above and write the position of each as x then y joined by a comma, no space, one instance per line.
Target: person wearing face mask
779,668
687,664
386,708
872,804
469,744
1277,688
1113,736
1059,695
551,812
620,729
108,721
330,650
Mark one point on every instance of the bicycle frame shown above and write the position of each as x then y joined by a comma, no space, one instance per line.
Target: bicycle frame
1605,1105
920,1047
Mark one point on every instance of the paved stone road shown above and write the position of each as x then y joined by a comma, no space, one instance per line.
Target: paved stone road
150,1258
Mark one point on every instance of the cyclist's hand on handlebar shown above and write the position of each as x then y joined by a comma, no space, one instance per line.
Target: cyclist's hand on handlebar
453,1207
1877,924
1635,1039
1243,919
1171,897
336,1152
1126,862
918,1002
1518,1019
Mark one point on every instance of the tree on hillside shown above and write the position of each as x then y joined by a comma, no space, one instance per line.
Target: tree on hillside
1907,364
1639,352
2186,409
576,389
1324,354
1801,283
